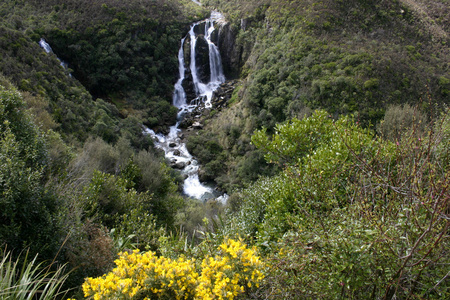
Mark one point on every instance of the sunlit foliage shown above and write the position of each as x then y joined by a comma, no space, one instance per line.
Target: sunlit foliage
351,215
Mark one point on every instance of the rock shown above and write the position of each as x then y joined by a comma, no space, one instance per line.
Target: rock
178,165
177,153
197,125
188,85
223,94
232,55
207,196
202,175
202,58
186,123
172,145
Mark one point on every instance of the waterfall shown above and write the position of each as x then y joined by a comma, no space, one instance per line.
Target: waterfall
215,61
44,45
205,90
175,150
179,95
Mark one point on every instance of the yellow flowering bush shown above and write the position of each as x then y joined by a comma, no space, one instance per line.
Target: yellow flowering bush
145,275
225,275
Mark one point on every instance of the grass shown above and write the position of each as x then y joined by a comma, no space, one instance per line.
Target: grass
23,279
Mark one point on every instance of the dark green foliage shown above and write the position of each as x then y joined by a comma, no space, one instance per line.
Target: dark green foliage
131,128
126,52
32,70
253,166
107,199
134,174
122,52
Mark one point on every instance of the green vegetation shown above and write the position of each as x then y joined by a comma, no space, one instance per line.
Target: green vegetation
351,215
29,280
347,57
79,179
334,150
27,207
125,53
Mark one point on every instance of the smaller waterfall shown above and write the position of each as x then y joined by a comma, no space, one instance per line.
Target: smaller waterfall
179,95
44,45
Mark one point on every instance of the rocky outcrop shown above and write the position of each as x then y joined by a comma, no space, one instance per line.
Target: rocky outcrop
223,94
193,120
202,59
231,54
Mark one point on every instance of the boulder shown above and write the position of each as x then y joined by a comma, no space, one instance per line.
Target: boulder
178,165
197,125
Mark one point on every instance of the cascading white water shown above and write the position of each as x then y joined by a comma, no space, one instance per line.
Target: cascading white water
215,62
175,150
44,45
205,90
179,95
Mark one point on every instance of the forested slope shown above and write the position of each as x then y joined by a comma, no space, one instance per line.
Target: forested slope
123,53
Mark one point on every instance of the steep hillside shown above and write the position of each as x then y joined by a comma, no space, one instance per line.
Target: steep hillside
348,57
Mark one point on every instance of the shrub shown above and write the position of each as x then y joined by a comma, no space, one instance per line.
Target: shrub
353,216
398,119
233,270
26,207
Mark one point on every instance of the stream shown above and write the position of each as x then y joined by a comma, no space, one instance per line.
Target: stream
174,148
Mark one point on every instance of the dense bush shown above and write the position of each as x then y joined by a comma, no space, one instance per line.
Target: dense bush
336,210
27,209
351,215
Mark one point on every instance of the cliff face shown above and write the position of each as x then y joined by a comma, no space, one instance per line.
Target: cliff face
231,53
